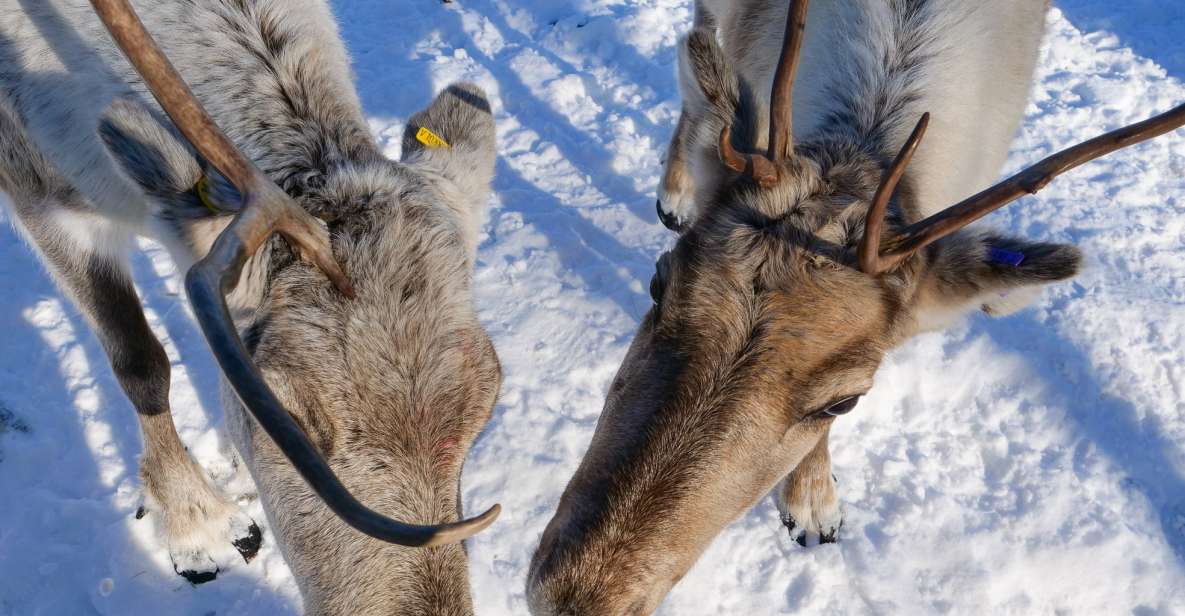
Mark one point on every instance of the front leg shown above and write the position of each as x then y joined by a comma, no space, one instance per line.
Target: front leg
675,191
807,501
199,524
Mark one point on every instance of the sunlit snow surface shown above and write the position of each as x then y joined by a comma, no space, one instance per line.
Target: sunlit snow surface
1032,464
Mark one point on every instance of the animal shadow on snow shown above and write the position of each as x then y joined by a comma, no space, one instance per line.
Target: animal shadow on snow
1109,423
75,522
72,548
583,247
578,148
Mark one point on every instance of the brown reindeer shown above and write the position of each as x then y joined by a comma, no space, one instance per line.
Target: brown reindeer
804,256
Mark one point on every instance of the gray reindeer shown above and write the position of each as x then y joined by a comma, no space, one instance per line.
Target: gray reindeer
372,383
809,246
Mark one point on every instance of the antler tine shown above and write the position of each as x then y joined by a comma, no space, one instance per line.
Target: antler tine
284,216
1028,181
755,166
762,168
869,257
266,209
781,123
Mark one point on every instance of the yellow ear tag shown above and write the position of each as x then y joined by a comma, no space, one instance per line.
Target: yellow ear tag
430,139
203,193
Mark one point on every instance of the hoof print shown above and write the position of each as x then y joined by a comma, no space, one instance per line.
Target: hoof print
248,546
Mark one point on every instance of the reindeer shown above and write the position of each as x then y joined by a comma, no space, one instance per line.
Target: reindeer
378,378
809,246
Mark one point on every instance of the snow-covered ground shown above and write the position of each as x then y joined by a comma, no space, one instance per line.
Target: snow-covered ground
1033,464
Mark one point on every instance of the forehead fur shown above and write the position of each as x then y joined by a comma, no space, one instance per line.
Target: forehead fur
400,353
774,269
808,225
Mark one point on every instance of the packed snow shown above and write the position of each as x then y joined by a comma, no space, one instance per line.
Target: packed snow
1031,464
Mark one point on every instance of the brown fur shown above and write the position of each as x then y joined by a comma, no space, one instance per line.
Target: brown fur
762,321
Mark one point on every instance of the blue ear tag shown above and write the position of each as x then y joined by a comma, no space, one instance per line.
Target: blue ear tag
1006,257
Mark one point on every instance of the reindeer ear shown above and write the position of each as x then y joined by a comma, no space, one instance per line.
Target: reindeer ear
993,273
706,83
455,136
714,98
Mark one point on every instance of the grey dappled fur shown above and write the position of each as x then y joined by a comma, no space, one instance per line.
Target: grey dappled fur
393,386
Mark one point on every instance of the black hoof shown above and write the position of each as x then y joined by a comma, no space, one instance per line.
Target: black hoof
669,221
248,546
798,535
198,577
831,536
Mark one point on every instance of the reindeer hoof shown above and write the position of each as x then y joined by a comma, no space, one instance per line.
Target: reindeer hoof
198,577
195,566
248,545
205,547
811,537
832,535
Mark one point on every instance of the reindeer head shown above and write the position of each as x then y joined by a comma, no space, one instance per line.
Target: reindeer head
321,348
771,315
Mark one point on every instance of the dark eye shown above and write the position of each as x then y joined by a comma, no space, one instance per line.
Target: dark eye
842,407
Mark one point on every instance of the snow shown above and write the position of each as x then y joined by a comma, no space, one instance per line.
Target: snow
1031,464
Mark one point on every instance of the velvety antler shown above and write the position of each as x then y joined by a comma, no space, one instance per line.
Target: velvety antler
266,209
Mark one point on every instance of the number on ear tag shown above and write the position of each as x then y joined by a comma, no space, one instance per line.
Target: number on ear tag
430,139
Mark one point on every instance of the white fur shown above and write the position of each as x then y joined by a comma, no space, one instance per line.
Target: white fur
975,85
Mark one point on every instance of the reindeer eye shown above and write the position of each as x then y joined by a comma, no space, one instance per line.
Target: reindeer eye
842,407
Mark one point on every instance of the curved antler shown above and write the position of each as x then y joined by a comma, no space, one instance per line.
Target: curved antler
266,210
781,102
763,168
756,166
869,256
1026,182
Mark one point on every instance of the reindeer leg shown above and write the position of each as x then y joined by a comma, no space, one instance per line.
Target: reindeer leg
193,516
676,189
807,501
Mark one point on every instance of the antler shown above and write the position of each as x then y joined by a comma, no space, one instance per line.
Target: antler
869,255
1027,182
763,168
781,120
266,209
756,166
